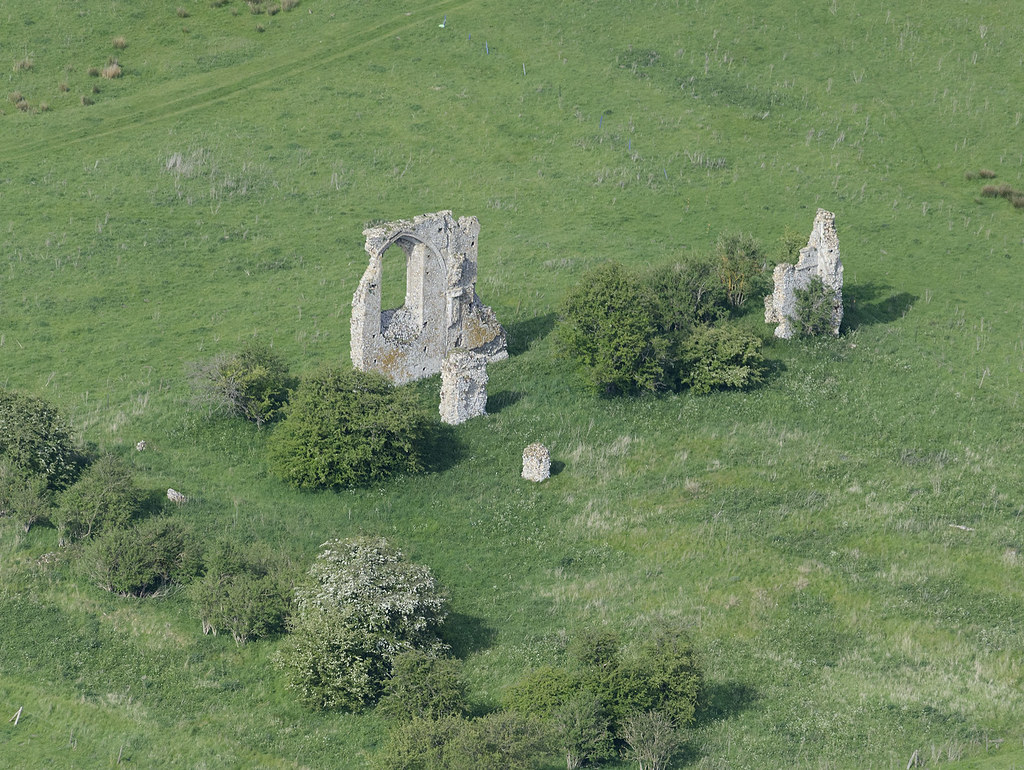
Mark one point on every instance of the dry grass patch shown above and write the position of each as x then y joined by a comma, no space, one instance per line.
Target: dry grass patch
24,65
182,12
112,70
119,43
287,5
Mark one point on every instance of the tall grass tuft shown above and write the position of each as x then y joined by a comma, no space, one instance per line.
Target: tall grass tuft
980,174
112,70
24,65
120,43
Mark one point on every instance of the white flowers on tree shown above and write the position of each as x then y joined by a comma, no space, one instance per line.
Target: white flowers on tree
362,605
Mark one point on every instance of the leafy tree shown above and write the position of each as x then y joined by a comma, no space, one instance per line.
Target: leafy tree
423,686
346,428
815,309
609,327
35,439
141,560
420,744
104,498
652,739
361,607
742,267
253,383
720,357
580,727
242,591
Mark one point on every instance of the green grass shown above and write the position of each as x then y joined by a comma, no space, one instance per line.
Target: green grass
803,529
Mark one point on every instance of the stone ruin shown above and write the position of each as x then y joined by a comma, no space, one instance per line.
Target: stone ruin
441,313
820,257
536,462
463,386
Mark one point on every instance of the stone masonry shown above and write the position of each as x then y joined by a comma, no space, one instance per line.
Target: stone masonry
820,257
536,462
442,311
463,386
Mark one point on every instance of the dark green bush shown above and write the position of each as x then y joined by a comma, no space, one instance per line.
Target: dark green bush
714,357
242,591
348,428
608,325
253,383
26,498
423,686
36,440
361,607
814,309
104,498
686,293
141,560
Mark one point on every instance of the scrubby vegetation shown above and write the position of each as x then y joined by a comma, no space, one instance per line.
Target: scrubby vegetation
841,542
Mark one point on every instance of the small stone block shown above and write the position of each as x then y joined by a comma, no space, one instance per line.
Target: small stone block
536,462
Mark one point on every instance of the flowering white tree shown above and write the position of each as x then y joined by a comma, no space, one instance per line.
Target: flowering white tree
362,605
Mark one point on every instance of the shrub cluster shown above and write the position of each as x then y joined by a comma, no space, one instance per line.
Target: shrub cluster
141,560
242,591
36,440
668,328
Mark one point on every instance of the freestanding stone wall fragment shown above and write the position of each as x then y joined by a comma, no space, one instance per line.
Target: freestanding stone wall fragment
463,386
441,313
536,462
820,257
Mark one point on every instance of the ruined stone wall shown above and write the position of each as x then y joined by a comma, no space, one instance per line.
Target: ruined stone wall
820,257
442,311
463,387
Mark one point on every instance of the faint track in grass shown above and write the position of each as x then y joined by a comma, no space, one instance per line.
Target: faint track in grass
122,116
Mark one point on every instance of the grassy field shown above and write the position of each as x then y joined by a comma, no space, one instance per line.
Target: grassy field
845,541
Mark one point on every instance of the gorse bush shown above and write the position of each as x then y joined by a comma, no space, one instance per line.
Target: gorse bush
34,439
242,591
361,607
346,428
141,560
253,383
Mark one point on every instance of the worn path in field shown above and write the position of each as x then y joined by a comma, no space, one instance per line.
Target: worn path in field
190,95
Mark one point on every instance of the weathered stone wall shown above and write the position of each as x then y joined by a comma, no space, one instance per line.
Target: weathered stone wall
820,257
442,311
463,386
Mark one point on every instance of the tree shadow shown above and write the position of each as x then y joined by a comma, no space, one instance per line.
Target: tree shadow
466,634
498,401
441,448
522,333
722,700
865,304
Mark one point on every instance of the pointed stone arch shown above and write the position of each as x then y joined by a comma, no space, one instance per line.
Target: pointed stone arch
442,311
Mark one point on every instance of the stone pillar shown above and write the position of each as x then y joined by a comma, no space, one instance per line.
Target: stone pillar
463,386
536,462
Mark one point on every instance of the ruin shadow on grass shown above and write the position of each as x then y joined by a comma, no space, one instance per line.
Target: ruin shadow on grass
862,306
498,401
522,333
441,448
